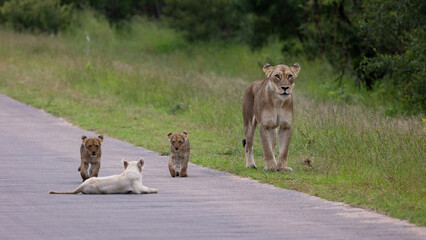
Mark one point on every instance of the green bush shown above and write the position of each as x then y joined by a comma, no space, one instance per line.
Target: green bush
119,11
393,32
374,41
202,20
36,16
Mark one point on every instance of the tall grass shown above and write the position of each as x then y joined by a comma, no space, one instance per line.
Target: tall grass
140,82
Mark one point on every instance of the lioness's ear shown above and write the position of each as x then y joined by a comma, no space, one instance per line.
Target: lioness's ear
268,69
295,69
141,162
83,139
101,138
169,134
125,163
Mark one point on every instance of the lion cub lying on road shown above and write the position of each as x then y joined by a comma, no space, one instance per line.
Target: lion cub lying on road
90,151
130,181
179,154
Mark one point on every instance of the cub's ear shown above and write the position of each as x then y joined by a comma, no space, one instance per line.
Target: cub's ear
268,69
84,139
295,69
101,138
186,134
169,135
141,163
125,163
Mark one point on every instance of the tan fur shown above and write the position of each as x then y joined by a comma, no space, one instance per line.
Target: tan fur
130,181
179,154
91,152
269,103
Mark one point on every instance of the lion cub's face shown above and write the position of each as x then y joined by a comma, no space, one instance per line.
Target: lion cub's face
92,145
177,140
281,77
129,165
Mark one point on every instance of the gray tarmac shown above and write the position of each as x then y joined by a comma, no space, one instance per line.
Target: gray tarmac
40,152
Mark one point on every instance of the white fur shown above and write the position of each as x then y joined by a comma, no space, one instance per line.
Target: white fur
130,181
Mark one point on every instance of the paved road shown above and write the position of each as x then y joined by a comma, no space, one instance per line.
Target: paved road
39,152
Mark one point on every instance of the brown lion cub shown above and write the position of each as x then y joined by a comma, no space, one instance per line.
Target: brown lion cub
179,154
91,153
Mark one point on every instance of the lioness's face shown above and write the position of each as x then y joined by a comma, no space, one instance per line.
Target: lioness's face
93,145
178,140
281,77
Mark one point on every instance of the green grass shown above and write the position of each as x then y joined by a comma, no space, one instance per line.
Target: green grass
140,83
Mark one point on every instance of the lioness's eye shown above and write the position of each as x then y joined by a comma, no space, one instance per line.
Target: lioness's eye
290,76
97,146
173,142
89,146
180,141
278,76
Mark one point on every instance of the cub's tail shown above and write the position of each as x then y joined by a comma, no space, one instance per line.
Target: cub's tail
77,190
67,192
244,142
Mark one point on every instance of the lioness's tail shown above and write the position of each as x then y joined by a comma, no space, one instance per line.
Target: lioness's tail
244,142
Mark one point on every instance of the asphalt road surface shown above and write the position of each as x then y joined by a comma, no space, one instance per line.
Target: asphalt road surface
40,152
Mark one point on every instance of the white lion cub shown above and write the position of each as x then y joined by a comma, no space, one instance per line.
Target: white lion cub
130,181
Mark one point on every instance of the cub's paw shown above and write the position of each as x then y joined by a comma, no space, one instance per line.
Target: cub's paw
153,190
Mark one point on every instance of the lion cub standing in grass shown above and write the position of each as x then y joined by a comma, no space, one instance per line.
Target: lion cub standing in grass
179,154
91,153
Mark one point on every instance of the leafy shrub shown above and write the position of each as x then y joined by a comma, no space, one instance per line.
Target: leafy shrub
202,20
37,16
374,40
118,10
394,32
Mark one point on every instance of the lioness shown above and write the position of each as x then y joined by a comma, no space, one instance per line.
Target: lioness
90,151
179,154
130,181
269,103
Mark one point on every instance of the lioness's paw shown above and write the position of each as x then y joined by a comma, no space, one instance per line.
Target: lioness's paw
153,190
270,169
251,166
285,169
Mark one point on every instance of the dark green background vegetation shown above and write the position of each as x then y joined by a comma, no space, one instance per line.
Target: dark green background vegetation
379,44
136,70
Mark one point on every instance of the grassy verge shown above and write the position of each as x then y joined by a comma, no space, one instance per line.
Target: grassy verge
139,84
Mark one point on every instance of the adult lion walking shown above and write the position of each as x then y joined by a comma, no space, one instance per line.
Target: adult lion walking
269,103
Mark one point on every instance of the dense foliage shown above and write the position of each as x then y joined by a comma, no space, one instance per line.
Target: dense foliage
393,34
379,43
36,16
202,20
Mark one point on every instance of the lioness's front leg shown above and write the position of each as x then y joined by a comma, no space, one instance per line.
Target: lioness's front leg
284,137
273,133
265,135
